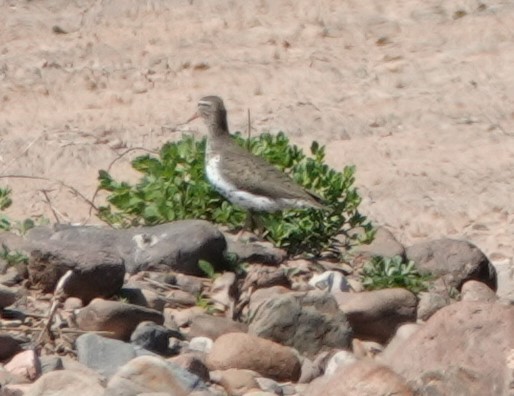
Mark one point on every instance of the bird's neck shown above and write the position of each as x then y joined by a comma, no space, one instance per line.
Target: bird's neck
218,125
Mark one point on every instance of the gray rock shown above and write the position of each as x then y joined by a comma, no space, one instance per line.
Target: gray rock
9,346
13,275
119,318
95,273
310,322
7,296
50,363
375,315
104,355
430,302
177,246
145,298
453,261
384,245
147,374
192,363
505,271
255,252
152,337
214,326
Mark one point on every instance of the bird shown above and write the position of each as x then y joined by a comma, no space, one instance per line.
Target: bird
246,180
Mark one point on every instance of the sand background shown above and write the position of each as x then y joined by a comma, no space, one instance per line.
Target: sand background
418,95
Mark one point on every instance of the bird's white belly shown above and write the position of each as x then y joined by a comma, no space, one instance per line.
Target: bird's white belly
238,197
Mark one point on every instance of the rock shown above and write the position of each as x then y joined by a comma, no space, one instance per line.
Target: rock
384,245
255,252
152,374
237,382
25,366
214,326
7,296
9,346
50,363
177,246
463,349
261,295
477,291
192,363
262,276
366,349
201,344
152,337
455,262
310,322
116,317
66,383
362,378
310,371
331,281
401,335
269,385
505,272
73,303
103,355
143,297
95,273
375,315
430,302
180,299
244,351
338,360
182,317
12,276
224,290
189,283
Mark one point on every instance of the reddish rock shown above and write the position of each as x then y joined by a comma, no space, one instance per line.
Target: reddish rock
119,318
244,351
146,374
477,291
66,383
25,366
237,382
362,378
463,349
214,326
375,315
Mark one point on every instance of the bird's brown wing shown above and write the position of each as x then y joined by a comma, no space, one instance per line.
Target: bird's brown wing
268,181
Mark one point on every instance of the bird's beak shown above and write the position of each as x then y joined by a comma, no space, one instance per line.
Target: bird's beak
193,117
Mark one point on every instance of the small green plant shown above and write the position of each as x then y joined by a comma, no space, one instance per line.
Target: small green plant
173,187
5,198
13,257
6,224
383,273
207,268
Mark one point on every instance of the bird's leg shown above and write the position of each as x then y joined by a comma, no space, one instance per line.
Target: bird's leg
248,225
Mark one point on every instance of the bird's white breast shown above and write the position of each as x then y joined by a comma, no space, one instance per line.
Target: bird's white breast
238,197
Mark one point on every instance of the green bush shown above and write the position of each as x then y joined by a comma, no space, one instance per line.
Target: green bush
173,186
383,273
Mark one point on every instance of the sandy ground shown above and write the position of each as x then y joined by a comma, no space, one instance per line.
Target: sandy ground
418,95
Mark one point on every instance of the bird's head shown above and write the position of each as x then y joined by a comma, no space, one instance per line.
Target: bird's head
213,112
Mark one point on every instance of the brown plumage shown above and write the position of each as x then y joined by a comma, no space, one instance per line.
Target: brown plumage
242,177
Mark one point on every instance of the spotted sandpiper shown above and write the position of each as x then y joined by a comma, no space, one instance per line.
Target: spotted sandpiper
245,179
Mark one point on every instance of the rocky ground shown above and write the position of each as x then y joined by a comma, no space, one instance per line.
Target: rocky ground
130,312
418,96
